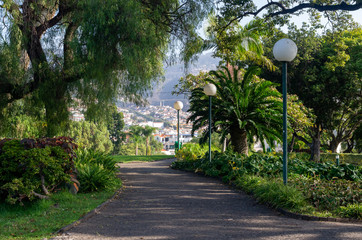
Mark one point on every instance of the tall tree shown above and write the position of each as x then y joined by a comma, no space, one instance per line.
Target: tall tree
93,50
326,76
136,133
147,132
115,125
244,107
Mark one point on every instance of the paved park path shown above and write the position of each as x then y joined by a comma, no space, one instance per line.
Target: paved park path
161,203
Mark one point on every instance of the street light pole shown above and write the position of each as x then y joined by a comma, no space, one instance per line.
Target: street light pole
285,129
210,90
178,105
285,51
210,105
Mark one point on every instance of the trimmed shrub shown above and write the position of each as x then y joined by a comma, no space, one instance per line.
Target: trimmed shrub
32,168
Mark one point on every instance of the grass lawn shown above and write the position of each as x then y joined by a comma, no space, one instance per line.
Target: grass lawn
42,218
123,159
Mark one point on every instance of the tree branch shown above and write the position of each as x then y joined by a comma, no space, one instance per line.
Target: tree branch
283,10
64,8
39,195
43,187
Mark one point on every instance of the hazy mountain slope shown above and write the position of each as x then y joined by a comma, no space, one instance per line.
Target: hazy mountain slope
172,75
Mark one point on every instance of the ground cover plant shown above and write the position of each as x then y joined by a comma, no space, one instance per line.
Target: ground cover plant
313,188
123,159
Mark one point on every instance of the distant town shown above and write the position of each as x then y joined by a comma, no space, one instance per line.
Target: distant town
161,117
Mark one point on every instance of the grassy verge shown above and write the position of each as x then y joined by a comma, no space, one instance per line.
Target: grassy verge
123,159
40,219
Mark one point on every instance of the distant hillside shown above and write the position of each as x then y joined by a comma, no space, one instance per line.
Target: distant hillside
173,73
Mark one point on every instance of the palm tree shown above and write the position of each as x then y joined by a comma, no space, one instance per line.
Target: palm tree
147,132
239,45
246,107
136,132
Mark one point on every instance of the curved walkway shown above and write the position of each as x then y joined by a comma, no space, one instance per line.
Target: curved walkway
161,203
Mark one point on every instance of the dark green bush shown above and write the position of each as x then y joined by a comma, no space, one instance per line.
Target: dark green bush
96,171
30,173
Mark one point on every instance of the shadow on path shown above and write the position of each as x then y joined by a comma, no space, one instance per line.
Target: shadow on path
161,203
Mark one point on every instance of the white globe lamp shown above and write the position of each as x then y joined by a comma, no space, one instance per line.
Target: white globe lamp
210,89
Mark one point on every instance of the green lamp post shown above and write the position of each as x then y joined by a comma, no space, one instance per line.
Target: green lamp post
285,50
178,105
210,90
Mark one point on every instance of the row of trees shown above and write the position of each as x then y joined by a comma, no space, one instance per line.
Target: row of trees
105,135
325,79
53,52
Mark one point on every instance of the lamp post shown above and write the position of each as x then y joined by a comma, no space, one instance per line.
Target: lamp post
178,105
285,51
210,90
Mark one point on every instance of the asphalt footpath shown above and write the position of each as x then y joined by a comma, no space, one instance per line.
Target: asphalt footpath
158,202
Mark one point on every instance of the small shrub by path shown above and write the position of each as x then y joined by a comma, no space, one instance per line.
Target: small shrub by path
124,159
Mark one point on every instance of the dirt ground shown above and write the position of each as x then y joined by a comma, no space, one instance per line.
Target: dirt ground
162,203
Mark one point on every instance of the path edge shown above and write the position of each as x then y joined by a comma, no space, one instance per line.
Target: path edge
89,214
282,211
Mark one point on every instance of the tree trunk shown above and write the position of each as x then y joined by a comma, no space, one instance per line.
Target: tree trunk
334,145
56,112
316,145
291,146
350,146
136,149
239,140
147,142
224,145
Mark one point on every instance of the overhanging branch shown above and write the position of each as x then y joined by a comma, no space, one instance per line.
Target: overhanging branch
284,10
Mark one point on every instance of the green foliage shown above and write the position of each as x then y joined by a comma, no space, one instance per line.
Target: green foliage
326,170
193,151
326,76
41,219
352,158
351,211
123,159
278,195
245,107
130,149
328,194
324,185
96,171
115,125
103,57
19,120
25,173
90,136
